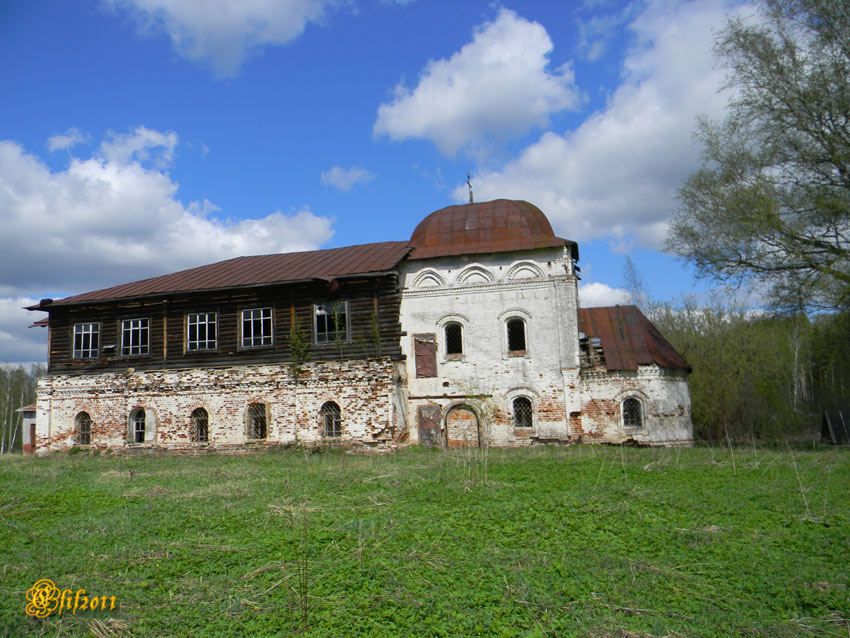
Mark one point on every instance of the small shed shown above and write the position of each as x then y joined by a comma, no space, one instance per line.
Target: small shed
835,427
28,428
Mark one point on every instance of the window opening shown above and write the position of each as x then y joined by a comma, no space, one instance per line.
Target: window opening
137,424
201,331
330,322
86,340
83,428
522,412
256,327
200,425
454,340
135,337
516,336
256,421
632,413
331,419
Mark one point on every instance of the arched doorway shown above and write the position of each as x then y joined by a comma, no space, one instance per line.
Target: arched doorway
462,427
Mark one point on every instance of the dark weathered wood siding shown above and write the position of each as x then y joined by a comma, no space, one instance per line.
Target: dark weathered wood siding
367,297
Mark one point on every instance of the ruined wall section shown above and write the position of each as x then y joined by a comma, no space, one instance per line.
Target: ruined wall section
663,395
482,293
363,389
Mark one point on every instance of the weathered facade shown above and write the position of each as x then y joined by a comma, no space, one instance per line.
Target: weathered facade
470,333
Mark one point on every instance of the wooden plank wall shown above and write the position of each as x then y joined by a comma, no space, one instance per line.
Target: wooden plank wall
366,297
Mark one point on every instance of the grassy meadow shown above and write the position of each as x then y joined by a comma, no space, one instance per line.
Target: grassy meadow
575,541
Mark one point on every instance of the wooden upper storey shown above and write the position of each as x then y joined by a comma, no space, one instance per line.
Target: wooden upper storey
366,311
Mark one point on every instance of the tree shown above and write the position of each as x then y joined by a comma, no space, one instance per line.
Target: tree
771,202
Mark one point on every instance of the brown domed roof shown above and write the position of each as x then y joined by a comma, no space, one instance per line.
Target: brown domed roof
501,225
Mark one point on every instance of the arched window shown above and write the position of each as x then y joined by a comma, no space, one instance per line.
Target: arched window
82,426
454,341
137,425
522,412
331,419
516,337
200,425
632,413
257,421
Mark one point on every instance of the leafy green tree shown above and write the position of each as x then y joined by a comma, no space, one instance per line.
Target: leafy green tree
771,202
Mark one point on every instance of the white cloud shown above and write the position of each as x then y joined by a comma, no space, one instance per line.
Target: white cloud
141,145
18,344
345,178
599,294
68,139
224,33
616,175
497,85
111,219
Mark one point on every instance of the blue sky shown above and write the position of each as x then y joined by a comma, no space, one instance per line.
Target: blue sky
139,137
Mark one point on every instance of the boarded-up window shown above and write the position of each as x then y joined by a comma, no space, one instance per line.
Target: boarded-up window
429,425
425,351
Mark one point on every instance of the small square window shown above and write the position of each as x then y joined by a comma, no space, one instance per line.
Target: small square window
201,331
86,340
256,327
135,337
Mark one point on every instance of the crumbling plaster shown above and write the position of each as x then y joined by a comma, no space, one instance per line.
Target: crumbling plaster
364,390
482,293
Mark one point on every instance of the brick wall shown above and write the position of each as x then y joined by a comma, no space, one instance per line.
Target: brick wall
363,389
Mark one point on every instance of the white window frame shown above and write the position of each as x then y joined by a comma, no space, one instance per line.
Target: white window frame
210,320
89,333
132,344
326,310
250,318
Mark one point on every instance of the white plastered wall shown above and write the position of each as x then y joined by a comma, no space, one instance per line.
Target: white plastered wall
481,292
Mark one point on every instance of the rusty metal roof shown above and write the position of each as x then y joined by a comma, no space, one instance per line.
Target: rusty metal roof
486,227
628,338
27,408
41,323
258,270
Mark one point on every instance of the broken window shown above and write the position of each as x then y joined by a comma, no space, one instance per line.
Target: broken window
454,341
201,331
330,322
331,419
86,340
256,327
257,421
137,425
135,337
425,352
632,413
82,425
516,337
522,412
200,425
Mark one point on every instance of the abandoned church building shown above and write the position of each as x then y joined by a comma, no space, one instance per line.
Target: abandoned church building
470,333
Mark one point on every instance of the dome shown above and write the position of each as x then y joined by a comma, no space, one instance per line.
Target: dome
501,225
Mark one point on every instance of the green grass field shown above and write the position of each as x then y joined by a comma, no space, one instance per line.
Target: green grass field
578,541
